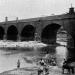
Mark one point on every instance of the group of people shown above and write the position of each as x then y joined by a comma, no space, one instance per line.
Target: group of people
67,66
43,68
51,61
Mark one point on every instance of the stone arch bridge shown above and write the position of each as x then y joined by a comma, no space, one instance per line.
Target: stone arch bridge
41,28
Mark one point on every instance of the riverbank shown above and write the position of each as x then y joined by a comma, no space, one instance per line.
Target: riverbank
20,71
26,44
32,71
18,45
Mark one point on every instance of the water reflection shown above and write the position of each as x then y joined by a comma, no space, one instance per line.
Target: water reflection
9,58
61,54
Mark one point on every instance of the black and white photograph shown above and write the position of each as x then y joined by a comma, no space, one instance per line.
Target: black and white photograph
37,37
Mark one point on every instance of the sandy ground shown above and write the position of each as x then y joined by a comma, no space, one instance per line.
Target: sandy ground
33,71
20,71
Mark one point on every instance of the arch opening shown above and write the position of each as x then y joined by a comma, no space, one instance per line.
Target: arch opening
65,37
12,33
61,36
49,33
1,33
27,33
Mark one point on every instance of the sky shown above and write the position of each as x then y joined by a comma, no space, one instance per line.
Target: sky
33,8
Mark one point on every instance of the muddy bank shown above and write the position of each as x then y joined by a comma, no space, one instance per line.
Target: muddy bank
20,71
32,71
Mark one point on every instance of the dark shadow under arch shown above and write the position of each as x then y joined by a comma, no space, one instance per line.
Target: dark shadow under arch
28,33
12,33
48,34
1,33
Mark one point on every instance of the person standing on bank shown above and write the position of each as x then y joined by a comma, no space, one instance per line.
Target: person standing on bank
18,63
41,66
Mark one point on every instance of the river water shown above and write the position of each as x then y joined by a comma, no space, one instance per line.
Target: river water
9,58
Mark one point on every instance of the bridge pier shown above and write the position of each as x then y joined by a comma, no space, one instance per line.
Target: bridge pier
71,48
18,37
5,37
37,37
5,34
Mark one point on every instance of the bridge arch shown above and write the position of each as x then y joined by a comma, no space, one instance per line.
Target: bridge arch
65,36
12,33
1,33
28,33
48,34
